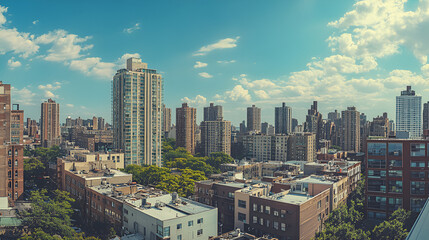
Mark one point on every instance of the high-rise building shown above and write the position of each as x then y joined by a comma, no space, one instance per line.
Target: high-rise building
186,122
426,116
17,125
137,113
32,127
50,123
166,119
409,113
266,147
101,123
253,119
380,126
294,124
267,129
5,107
216,137
95,123
334,115
213,113
350,126
243,128
301,147
314,123
283,119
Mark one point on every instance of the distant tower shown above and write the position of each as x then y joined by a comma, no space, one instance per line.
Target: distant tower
283,119
186,118
253,119
166,119
136,113
50,123
350,136
213,113
409,113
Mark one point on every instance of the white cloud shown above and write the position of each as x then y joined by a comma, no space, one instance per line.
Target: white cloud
23,96
35,22
19,43
199,64
69,105
221,44
2,17
197,101
262,94
93,66
65,46
238,93
49,94
226,61
205,75
122,61
13,64
82,107
135,27
55,86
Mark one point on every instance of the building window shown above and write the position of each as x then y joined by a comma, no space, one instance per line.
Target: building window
376,185
376,215
242,217
276,213
267,223
276,225
395,173
395,149
166,232
261,221
417,149
417,164
241,203
395,163
261,209
415,174
395,186
199,232
179,237
255,207
190,223
282,213
200,220
319,204
376,202
376,149
255,219
417,187
267,209
394,203
283,225
16,184
376,174
179,226
417,204
376,163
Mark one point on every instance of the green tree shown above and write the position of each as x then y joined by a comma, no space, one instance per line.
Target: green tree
33,168
342,232
389,230
218,158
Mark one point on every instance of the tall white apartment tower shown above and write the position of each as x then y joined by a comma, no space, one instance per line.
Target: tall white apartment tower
137,113
409,113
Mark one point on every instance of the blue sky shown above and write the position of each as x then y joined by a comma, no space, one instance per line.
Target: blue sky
233,53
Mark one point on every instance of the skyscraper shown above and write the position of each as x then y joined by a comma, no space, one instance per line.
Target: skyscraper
212,113
186,118
314,123
253,119
334,115
216,137
50,123
166,119
136,113
426,116
350,126
409,113
283,119
95,123
5,107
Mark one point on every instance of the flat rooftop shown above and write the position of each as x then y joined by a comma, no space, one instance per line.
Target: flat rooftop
107,173
318,180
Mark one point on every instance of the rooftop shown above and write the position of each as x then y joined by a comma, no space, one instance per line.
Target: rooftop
97,174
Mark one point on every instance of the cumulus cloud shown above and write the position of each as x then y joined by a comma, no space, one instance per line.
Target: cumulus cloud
93,66
65,46
23,96
262,94
221,44
13,64
238,93
199,64
205,75
226,61
132,29
54,86
198,100
2,17
69,105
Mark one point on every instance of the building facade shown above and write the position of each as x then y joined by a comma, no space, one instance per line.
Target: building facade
50,123
166,119
409,113
213,113
215,137
137,113
253,119
283,119
350,129
186,123
266,147
17,125
302,147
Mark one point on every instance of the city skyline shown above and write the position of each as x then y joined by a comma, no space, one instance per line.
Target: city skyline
331,56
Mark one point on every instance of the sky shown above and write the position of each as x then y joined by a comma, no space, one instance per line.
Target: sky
233,53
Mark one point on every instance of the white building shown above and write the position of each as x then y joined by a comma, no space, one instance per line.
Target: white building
169,217
409,113
266,148
137,113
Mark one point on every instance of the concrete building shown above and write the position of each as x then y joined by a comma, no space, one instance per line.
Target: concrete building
50,123
380,126
409,113
267,129
137,94
11,172
396,173
32,128
266,147
334,115
314,124
350,129
213,113
169,217
186,123
5,113
215,137
302,147
166,119
17,125
283,119
253,119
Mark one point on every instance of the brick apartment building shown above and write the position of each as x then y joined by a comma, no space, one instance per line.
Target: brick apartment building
397,175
